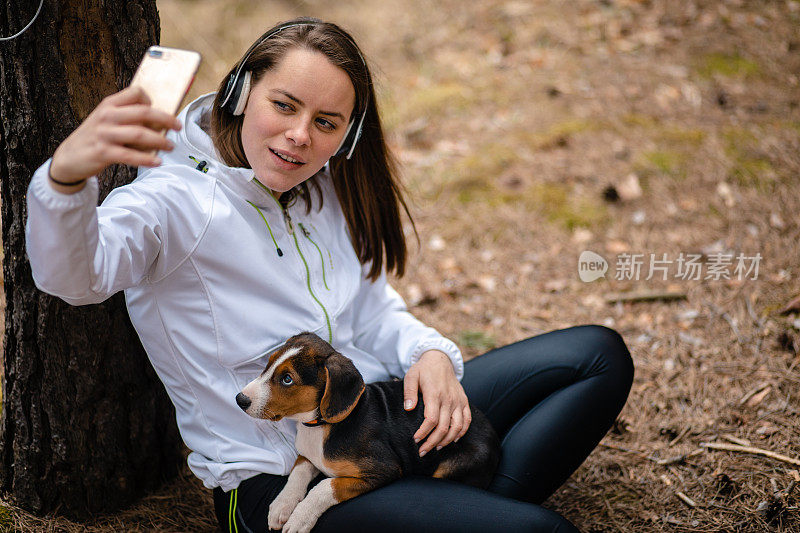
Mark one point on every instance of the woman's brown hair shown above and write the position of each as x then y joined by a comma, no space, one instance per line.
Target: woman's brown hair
366,184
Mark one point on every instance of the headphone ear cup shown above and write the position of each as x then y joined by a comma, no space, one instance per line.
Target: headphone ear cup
241,93
343,146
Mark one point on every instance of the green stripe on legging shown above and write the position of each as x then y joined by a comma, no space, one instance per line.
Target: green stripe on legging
232,511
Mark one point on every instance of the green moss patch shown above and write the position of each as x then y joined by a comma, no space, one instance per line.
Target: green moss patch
668,163
477,340
730,65
562,207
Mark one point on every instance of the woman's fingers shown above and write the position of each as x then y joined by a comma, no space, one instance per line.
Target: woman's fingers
467,420
132,157
430,421
127,96
456,422
137,137
142,115
441,430
411,388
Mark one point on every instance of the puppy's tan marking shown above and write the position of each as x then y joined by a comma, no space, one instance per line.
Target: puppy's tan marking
345,488
443,471
343,468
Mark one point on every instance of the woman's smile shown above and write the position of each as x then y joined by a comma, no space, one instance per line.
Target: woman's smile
289,160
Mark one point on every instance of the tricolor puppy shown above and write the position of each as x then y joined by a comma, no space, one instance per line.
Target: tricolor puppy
358,435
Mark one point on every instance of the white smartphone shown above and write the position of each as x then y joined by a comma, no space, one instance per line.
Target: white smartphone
166,74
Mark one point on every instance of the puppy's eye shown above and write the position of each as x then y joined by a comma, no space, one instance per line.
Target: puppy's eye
287,379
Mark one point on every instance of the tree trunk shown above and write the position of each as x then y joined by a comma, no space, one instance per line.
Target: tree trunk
86,426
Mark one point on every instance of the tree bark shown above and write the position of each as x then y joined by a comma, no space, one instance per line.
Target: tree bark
86,426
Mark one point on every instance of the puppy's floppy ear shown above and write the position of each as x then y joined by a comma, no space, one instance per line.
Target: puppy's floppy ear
343,388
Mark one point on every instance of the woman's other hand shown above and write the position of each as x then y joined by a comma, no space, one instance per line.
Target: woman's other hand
122,129
447,413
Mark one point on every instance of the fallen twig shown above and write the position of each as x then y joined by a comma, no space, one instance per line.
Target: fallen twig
685,499
663,462
623,449
644,296
679,437
753,393
792,306
674,460
731,322
750,449
736,440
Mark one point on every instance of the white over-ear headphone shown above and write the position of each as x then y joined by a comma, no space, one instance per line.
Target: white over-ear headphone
238,90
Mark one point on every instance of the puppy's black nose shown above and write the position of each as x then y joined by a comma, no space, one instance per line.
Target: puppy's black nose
243,401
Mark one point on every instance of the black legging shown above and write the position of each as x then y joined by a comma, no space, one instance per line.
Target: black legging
551,399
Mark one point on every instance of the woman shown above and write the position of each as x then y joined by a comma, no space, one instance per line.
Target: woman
243,236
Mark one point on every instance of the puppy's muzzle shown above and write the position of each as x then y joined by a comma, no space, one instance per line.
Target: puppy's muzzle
243,401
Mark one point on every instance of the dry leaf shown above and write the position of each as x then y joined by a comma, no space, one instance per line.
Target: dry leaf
487,283
629,188
792,307
449,267
617,247
436,243
726,193
414,295
758,398
766,430
555,285
582,236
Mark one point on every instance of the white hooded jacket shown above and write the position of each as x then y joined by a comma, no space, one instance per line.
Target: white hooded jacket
216,276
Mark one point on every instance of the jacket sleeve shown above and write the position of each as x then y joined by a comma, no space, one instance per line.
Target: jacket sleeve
384,328
83,253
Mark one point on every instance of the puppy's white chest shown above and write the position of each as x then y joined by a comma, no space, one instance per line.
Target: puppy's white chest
309,444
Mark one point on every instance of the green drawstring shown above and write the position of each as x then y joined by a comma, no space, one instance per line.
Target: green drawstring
278,248
232,526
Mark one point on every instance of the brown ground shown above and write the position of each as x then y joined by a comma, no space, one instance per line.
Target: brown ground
512,120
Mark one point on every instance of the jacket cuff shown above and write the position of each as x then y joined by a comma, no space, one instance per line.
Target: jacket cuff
443,345
52,199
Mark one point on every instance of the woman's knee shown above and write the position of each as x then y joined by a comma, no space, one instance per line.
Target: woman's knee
615,357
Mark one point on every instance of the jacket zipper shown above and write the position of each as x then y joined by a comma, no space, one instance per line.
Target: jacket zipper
327,250
321,258
290,228
308,284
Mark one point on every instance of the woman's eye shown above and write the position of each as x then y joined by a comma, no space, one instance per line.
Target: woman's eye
282,106
287,379
326,125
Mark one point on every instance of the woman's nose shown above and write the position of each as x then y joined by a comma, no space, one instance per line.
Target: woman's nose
299,133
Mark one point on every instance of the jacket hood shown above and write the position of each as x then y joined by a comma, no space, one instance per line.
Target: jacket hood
195,149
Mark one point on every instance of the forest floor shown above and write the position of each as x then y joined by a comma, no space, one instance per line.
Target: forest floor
661,135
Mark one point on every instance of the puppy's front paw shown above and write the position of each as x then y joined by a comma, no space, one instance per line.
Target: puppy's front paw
302,520
281,509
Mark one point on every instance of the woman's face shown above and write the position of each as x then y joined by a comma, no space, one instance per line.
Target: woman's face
298,110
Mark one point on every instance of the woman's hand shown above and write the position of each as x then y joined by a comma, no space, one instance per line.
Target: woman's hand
447,411
123,128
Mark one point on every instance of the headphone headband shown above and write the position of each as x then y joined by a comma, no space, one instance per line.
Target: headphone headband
229,90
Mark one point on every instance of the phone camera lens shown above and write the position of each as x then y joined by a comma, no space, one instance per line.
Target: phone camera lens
155,53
